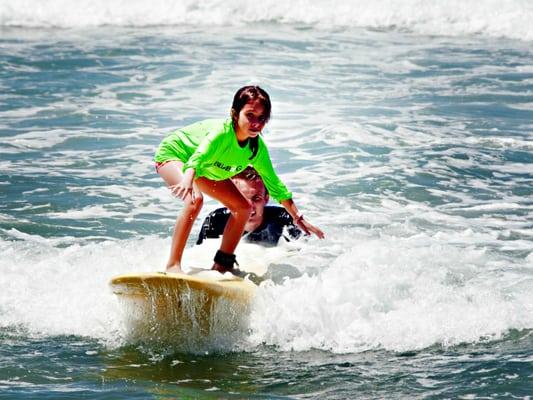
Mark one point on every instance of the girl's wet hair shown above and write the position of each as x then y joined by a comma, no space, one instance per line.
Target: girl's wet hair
243,96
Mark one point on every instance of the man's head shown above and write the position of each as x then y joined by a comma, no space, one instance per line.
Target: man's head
252,187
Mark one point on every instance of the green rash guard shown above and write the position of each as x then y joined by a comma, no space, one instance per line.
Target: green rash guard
211,148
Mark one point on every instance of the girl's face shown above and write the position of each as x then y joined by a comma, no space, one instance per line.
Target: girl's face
251,120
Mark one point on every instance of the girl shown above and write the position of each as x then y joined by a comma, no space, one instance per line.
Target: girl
201,158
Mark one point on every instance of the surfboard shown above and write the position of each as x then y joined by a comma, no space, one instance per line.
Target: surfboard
212,283
186,308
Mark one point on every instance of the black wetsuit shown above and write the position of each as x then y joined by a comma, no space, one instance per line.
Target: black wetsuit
268,233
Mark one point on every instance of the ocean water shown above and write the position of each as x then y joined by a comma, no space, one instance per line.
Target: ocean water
404,130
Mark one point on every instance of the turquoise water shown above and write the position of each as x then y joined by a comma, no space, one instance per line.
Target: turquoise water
71,367
412,152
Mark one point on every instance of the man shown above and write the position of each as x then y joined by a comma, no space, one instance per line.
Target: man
266,223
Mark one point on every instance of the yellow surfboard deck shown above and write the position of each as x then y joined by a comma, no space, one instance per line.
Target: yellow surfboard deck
189,309
211,283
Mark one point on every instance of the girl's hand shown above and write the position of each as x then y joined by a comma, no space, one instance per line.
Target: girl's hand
308,228
181,190
185,187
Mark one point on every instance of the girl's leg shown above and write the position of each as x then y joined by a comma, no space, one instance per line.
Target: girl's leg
227,193
172,175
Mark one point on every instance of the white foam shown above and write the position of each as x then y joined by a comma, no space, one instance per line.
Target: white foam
60,287
509,18
394,287
89,212
393,294
56,290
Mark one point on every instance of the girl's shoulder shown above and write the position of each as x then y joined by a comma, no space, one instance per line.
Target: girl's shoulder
210,125
213,129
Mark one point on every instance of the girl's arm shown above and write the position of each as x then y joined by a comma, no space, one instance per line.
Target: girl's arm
299,220
279,191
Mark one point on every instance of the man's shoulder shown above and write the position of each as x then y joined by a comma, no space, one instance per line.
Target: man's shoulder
219,212
278,216
214,224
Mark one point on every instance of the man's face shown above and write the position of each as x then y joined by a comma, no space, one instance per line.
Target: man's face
254,191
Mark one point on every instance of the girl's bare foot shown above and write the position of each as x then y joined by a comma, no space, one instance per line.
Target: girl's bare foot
176,269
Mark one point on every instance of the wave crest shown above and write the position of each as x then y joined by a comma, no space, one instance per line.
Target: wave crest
505,18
